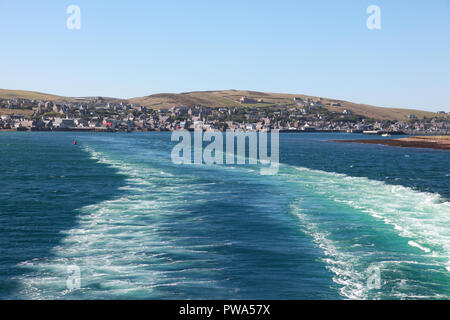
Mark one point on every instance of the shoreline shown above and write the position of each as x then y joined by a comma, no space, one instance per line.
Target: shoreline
156,130
429,142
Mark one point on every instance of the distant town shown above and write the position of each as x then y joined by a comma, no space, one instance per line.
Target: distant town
302,115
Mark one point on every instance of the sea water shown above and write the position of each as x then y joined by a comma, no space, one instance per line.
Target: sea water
137,226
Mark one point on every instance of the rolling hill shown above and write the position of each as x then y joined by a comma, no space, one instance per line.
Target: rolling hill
11,94
222,98
231,98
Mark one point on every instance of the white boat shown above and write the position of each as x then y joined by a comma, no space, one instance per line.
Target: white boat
372,133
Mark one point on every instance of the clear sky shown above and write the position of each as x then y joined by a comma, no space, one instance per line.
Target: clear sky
317,47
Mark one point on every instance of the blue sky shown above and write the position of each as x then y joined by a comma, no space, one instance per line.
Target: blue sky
323,48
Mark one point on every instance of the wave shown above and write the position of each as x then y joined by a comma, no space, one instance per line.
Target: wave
422,219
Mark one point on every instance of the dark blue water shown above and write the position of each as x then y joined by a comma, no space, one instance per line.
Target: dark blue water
139,227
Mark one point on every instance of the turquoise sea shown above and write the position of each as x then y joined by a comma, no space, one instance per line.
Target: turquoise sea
140,227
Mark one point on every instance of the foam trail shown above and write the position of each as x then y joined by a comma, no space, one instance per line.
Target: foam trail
422,219
122,248
120,245
416,245
338,261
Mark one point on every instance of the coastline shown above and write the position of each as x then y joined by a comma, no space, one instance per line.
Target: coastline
428,142
431,142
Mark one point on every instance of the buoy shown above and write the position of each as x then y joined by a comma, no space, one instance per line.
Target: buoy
75,142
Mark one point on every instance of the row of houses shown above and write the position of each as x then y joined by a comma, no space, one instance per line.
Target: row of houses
304,115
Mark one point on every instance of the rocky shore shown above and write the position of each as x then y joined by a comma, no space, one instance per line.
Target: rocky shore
431,142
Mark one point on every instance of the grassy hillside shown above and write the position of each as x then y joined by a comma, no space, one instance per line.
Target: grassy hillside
10,94
217,99
231,97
